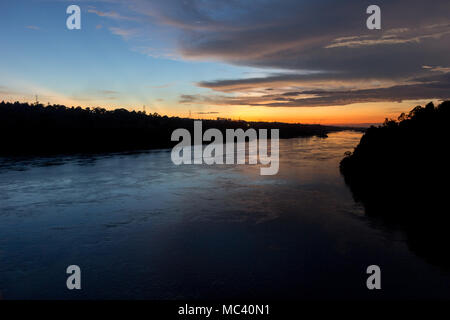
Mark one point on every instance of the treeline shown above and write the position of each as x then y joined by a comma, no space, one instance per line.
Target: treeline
399,171
52,129
413,146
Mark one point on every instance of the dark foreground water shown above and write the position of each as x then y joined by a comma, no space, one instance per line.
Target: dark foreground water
141,227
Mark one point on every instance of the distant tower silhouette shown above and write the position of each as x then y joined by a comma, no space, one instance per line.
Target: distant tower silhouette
144,108
37,101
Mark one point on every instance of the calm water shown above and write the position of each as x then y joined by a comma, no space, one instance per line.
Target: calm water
141,227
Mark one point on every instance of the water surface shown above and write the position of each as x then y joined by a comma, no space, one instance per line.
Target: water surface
142,228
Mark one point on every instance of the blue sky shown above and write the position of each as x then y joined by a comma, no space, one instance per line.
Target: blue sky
285,60
95,65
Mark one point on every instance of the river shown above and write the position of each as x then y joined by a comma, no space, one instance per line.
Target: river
140,227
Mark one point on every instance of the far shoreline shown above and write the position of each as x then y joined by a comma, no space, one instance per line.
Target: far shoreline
37,130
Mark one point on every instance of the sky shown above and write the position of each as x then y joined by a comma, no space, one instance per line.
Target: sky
270,60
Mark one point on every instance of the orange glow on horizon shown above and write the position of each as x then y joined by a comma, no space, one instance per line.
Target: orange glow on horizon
353,114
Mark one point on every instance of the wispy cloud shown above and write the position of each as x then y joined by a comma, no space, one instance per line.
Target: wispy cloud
123,32
392,37
33,27
156,52
111,14
437,69
107,92
207,112
162,86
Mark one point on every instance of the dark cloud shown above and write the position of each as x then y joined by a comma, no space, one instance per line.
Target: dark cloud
302,35
329,38
433,87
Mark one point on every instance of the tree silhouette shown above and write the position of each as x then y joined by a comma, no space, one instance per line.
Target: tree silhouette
399,172
35,129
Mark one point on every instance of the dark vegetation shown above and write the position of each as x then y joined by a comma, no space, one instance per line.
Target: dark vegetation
399,172
35,129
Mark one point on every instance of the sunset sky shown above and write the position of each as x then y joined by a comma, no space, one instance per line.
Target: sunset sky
286,60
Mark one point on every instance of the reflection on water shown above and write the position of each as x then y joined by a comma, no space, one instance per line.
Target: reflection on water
141,227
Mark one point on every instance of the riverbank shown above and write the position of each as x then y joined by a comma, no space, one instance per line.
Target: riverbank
399,171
